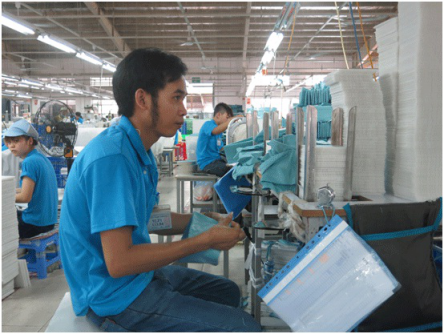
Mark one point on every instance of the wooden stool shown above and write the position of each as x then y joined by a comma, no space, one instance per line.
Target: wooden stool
37,259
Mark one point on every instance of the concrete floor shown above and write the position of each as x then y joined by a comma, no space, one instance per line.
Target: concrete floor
31,309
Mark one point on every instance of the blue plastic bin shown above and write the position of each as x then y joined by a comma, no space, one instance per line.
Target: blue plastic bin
232,202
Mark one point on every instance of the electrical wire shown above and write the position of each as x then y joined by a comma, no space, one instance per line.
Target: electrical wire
289,43
340,32
365,40
356,35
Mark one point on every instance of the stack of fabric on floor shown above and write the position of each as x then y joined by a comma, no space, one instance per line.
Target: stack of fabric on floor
388,47
10,268
350,88
418,161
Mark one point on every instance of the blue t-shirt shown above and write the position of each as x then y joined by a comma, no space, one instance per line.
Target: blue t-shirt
42,209
208,145
112,184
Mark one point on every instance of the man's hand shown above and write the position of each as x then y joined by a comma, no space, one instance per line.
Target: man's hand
226,234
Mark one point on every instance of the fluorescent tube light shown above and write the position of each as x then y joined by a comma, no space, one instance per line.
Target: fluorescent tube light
54,87
267,57
24,96
73,90
32,82
7,77
274,41
22,85
89,58
109,67
55,43
16,25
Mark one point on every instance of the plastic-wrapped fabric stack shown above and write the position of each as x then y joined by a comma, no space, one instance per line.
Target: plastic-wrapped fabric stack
10,267
357,87
330,167
418,160
388,48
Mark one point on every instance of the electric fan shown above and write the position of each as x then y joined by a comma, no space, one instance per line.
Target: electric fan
55,123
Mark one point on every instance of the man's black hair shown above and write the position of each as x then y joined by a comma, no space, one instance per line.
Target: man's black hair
78,114
223,108
149,69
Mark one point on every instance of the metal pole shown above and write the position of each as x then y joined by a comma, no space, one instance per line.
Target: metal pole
348,177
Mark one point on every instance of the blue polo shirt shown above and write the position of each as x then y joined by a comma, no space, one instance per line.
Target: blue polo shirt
112,184
208,145
42,209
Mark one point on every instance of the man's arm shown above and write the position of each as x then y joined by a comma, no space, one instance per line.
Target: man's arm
222,127
25,195
123,258
179,222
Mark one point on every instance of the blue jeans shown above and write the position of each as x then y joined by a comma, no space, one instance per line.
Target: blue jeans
217,167
180,299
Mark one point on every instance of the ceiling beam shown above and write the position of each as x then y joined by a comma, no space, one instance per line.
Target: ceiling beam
109,28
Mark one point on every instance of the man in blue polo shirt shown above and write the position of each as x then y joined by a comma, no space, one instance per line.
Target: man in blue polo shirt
209,142
38,182
117,277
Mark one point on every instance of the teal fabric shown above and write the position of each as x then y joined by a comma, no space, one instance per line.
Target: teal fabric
319,94
246,158
277,167
232,149
198,224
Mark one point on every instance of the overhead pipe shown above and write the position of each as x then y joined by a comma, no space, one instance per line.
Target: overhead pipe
192,33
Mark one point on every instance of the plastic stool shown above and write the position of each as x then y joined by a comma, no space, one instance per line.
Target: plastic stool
37,259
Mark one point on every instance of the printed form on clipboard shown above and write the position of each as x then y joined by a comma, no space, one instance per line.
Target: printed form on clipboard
332,284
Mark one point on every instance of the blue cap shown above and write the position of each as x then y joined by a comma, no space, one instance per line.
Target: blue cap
21,128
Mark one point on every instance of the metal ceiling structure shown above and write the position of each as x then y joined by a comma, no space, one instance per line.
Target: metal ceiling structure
222,42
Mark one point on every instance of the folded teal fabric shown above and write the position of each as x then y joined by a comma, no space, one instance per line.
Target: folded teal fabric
198,224
278,165
232,149
246,158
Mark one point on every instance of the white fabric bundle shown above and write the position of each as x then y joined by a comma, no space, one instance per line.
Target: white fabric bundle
418,161
358,88
330,169
10,236
388,48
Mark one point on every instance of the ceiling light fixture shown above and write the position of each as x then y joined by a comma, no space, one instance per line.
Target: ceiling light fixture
54,87
7,77
55,43
109,67
89,58
16,25
274,41
32,82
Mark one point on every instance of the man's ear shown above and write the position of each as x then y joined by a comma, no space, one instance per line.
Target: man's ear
142,99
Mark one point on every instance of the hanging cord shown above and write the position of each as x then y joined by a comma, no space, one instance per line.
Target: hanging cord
365,40
289,43
342,39
356,35
325,214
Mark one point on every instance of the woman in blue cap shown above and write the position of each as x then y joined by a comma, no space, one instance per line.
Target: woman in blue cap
38,182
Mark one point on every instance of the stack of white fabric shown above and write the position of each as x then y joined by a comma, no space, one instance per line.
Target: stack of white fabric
357,87
10,268
329,169
418,161
388,49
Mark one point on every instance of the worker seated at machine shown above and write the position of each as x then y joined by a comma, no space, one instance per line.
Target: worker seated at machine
38,182
209,142
117,277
